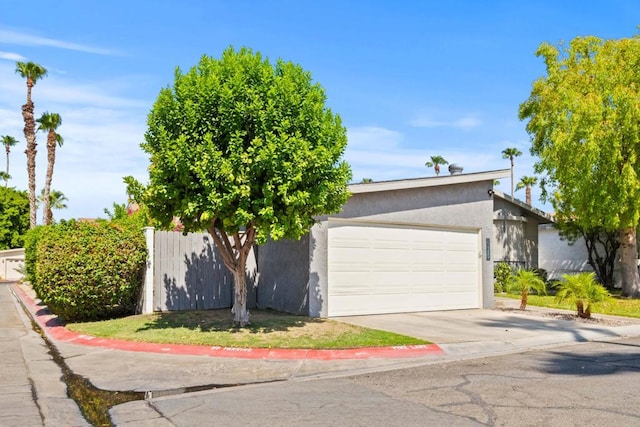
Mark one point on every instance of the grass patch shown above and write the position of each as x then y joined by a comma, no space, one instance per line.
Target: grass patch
614,306
268,329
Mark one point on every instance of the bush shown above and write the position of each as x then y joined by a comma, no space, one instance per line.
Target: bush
30,256
524,282
89,271
582,290
502,275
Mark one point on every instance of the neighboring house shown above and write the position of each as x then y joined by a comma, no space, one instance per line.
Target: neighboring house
558,257
12,264
516,231
397,246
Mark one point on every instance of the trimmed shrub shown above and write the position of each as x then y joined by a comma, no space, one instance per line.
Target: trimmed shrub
30,255
89,271
502,275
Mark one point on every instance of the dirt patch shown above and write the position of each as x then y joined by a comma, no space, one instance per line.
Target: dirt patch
595,319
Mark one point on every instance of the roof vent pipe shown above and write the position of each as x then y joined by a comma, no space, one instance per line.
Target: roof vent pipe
455,169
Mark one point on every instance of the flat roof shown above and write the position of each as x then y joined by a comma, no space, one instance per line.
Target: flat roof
433,181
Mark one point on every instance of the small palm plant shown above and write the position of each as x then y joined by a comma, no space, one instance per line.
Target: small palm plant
582,290
524,282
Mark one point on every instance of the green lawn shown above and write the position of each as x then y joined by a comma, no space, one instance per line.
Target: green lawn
615,306
268,329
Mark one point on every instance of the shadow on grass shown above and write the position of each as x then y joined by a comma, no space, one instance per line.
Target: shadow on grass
261,321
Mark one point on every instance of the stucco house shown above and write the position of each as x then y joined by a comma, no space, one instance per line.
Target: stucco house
397,246
516,225
408,245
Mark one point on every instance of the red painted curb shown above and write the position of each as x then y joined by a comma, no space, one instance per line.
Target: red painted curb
56,330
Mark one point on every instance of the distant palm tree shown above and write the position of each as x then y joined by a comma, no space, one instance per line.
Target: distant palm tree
5,176
32,72
56,201
8,142
49,122
366,181
435,163
526,182
511,153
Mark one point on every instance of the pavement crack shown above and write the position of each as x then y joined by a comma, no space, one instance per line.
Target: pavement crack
34,397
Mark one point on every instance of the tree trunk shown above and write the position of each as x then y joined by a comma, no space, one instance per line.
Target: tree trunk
580,308
47,216
512,178
6,183
234,256
436,167
528,195
523,300
30,136
628,266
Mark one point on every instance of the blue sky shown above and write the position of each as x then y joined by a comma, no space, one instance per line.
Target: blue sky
410,79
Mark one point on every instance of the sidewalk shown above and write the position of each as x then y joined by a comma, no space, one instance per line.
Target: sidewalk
31,392
161,370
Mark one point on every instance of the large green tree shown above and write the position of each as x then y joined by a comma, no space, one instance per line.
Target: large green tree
14,217
31,72
584,120
247,150
49,122
8,141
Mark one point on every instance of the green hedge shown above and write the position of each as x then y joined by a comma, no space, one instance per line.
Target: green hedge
87,271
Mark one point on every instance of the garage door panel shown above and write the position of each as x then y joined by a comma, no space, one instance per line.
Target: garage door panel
376,268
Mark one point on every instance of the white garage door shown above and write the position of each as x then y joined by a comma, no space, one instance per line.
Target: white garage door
381,268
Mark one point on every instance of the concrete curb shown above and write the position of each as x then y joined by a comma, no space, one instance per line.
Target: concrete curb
55,330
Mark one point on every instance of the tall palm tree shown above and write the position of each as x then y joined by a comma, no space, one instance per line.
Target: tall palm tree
435,163
49,122
511,153
526,182
8,142
32,72
56,200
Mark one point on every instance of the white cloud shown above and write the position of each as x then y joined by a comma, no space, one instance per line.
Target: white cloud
25,39
465,122
10,56
372,137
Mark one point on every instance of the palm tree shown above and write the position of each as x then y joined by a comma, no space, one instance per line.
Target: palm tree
56,200
6,177
511,153
49,122
32,72
526,182
524,282
8,142
366,181
583,291
435,163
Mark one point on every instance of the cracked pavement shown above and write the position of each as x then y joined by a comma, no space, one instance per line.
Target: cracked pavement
585,384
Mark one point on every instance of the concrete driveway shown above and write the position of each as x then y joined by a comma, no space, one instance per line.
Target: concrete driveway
498,330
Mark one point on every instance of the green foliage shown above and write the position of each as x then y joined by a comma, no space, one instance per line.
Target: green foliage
14,217
87,271
31,254
525,281
244,143
583,119
503,276
583,291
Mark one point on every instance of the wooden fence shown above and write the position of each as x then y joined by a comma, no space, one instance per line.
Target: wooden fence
185,272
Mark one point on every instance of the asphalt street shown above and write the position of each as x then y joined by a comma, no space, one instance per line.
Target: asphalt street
588,384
